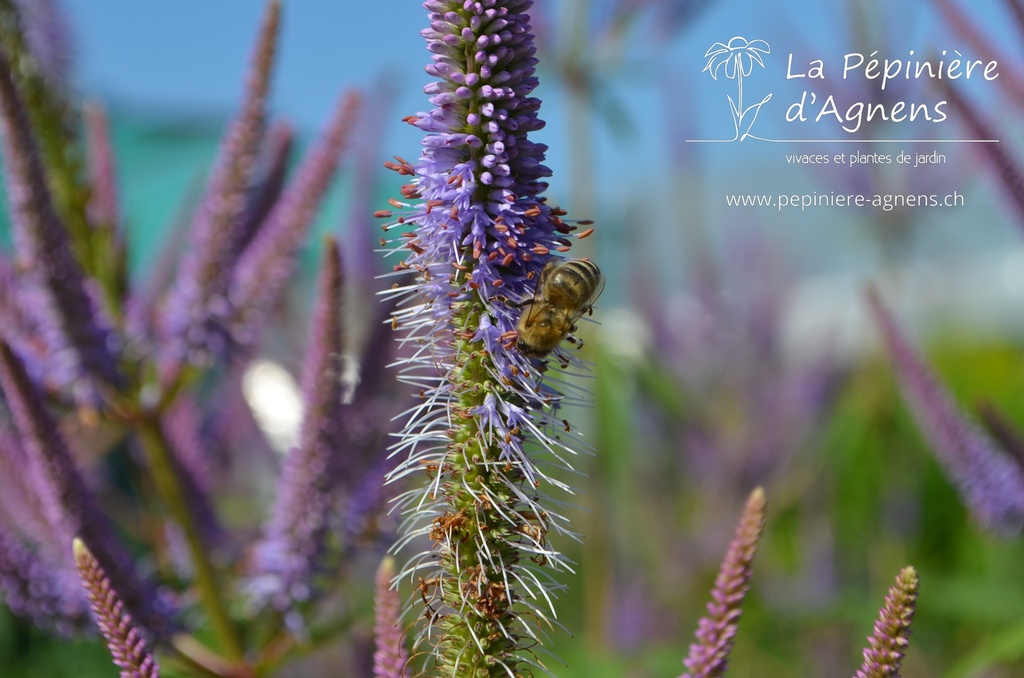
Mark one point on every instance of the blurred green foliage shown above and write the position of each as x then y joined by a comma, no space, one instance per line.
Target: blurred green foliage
863,500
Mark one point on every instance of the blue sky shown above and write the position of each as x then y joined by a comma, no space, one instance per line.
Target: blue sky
189,57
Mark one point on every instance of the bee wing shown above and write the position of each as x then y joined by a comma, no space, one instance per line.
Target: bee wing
538,295
598,289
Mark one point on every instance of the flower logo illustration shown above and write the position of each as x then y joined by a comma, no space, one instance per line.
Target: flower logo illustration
737,59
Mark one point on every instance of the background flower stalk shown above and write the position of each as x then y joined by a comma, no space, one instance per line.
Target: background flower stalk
126,643
715,632
888,643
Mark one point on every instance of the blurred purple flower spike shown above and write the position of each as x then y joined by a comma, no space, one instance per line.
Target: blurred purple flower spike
49,39
267,263
196,313
390,660
38,589
990,482
70,508
79,342
290,557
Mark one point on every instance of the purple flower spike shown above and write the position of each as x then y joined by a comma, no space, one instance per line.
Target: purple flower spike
19,325
103,214
887,645
1005,165
390,660
264,194
715,633
49,39
197,308
990,482
265,267
70,508
79,344
291,554
103,203
126,644
37,589
476,232
23,507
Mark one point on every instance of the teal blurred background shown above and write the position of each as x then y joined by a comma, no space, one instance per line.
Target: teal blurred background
733,349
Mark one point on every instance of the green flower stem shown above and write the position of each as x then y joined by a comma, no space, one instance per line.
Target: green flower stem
169,488
193,658
473,589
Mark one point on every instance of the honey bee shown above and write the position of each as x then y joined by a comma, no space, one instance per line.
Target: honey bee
566,290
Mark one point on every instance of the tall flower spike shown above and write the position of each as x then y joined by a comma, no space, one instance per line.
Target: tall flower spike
103,209
290,556
79,344
49,39
990,482
266,265
19,323
103,212
197,307
477,234
31,36
265,192
24,508
70,507
33,587
390,660
709,656
887,645
1005,165
126,644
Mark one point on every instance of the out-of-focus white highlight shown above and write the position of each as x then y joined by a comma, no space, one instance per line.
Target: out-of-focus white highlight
275,401
1013,274
624,333
972,295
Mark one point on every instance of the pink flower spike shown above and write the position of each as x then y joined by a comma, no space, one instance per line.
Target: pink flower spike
716,631
125,642
887,645
390,657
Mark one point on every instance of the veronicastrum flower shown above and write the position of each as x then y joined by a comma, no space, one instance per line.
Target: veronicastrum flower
477,234
79,342
990,481
197,307
715,632
291,555
888,643
126,644
70,508
390,657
